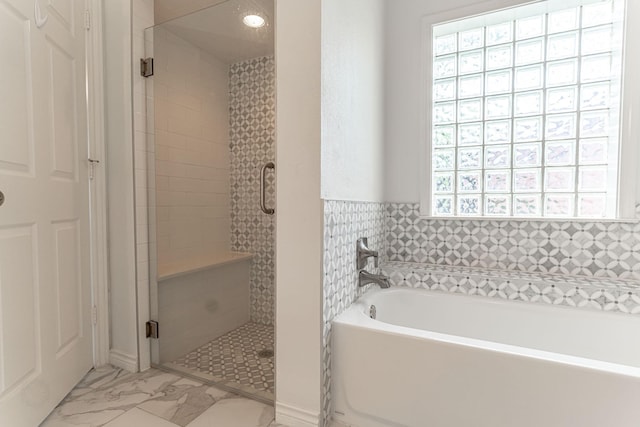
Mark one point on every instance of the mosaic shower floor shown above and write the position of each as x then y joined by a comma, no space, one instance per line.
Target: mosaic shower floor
241,360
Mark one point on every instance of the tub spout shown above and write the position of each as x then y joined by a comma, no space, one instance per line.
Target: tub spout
365,278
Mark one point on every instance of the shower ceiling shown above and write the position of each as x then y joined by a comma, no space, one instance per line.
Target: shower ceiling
219,30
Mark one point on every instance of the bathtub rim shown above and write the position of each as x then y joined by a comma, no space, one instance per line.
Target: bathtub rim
355,317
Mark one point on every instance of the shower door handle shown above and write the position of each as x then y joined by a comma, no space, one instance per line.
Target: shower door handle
263,188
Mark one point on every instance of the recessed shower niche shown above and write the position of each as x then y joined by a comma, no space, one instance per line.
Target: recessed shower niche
212,195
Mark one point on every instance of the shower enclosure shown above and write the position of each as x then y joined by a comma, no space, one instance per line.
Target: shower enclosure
212,201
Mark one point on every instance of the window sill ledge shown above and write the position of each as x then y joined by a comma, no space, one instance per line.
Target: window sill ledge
530,219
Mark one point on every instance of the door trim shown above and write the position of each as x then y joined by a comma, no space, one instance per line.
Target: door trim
97,186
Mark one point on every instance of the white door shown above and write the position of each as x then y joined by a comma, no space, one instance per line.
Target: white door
45,302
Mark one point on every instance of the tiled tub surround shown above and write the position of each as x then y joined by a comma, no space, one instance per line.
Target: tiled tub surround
344,223
584,248
252,138
591,265
580,264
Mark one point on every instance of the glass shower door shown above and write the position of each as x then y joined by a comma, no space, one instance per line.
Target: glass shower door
212,264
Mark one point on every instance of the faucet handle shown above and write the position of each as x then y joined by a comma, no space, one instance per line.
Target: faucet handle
363,253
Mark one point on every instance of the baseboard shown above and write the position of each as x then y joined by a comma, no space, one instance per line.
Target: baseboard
296,417
123,360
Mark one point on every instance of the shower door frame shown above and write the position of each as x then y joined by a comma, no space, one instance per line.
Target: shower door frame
147,301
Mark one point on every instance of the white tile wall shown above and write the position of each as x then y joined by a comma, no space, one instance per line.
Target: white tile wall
192,150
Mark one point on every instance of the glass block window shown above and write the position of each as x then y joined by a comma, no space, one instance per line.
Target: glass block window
525,112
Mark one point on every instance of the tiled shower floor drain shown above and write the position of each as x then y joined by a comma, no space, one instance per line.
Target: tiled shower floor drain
265,354
241,359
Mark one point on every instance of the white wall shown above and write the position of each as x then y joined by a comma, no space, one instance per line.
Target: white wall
126,163
192,150
299,218
169,9
404,80
353,100
120,187
142,17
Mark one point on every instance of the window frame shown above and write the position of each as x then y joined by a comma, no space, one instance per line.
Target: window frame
628,190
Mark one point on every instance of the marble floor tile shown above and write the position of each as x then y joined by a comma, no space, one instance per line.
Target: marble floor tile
110,397
106,393
92,419
182,403
121,393
238,412
138,418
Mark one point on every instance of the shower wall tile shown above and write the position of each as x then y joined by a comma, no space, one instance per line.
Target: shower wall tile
581,248
191,150
252,142
344,223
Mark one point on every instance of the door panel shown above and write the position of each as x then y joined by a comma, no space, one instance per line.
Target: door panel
63,112
19,307
16,117
68,285
45,318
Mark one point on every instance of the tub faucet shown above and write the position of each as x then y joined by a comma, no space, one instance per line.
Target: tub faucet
365,278
363,253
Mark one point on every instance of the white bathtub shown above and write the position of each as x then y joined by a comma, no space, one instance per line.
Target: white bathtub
437,359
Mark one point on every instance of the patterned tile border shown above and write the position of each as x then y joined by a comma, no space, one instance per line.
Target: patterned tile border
579,292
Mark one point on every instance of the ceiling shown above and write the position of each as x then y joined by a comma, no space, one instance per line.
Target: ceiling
219,30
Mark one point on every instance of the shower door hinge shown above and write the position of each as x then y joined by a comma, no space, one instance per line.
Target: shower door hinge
92,167
146,67
152,329
87,20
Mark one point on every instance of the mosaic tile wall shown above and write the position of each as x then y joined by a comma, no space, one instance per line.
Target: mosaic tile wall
344,223
593,265
571,291
252,140
599,249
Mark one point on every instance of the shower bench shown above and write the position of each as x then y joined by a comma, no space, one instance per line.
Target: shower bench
201,299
